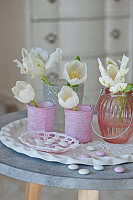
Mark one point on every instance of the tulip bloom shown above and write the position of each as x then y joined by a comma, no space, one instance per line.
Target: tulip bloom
68,98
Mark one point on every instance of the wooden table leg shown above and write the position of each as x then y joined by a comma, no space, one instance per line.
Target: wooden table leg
32,191
88,194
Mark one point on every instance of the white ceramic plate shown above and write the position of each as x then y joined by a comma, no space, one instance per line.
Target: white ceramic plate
116,153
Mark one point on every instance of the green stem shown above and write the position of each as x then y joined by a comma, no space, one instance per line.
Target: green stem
75,108
34,103
121,109
46,80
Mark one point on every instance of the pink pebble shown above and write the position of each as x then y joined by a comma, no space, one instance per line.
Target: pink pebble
55,145
101,153
85,156
119,169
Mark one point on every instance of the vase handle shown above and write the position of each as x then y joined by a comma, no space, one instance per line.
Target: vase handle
101,92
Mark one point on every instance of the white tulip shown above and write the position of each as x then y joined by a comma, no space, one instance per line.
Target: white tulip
33,62
75,72
40,53
68,98
110,61
119,87
124,62
23,92
54,58
106,81
113,74
34,66
36,62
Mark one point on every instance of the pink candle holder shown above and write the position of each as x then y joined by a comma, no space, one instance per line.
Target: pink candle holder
78,123
41,118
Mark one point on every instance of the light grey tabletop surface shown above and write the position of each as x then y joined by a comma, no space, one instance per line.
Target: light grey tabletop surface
22,167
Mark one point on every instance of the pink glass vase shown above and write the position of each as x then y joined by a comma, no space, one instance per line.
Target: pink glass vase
78,123
114,113
41,118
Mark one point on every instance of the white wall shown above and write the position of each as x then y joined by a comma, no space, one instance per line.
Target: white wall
12,39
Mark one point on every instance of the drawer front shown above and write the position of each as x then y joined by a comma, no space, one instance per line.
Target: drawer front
66,8
117,7
45,35
117,35
84,38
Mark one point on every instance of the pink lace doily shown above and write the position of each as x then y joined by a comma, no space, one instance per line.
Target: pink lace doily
51,142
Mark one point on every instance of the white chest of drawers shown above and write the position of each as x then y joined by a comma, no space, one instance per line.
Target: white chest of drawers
90,28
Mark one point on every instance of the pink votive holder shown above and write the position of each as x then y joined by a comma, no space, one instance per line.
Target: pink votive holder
41,118
78,123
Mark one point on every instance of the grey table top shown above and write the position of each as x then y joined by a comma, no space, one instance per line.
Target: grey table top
38,171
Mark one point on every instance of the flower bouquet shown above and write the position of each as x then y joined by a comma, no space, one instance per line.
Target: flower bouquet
115,106
35,63
51,91
77,116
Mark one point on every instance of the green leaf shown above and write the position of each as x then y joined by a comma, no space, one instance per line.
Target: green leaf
75,85
68,84
77,58
128,88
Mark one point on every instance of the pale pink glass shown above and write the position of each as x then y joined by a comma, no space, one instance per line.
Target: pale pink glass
41,118
114,116
78,123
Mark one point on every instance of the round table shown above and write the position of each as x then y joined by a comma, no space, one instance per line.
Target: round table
37,172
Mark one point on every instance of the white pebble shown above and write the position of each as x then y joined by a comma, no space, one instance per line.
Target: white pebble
98,167
73,167
83,171
90,148
47,143
51,141
39,142
63,144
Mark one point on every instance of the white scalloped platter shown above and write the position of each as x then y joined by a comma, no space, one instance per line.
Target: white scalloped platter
116,153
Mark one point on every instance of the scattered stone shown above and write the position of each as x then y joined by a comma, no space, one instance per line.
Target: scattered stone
83,171
73,167
98,167
101,153
85,156
119,169
63,144
90,148
39,142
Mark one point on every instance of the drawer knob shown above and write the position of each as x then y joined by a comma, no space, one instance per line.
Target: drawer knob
52,1
51,38
115,33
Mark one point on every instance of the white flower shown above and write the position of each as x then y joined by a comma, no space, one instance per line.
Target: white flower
75,72
35,62
113,74
124,62
40,53
54,58
23,92
68,98
119,87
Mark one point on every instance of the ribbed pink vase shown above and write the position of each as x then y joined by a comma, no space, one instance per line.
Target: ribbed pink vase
41,118
78,123
115,113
